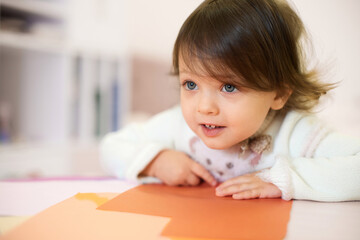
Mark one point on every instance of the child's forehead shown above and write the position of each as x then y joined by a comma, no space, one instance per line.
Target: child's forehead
205,68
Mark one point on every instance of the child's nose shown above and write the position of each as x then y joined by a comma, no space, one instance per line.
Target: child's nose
207,105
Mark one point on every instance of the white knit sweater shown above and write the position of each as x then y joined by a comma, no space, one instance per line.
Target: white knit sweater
306,160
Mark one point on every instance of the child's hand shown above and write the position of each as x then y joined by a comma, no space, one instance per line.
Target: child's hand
177,168
248,186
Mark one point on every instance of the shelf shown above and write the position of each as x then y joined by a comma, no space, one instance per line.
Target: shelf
31,42
49,9
57,79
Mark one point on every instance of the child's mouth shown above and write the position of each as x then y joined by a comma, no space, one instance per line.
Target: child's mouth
211,130
211,126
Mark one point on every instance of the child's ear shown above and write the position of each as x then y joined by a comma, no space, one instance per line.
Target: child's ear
281,99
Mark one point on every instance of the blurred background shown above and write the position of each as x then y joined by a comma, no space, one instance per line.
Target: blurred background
74,70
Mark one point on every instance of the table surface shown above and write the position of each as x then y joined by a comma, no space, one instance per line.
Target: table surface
308,219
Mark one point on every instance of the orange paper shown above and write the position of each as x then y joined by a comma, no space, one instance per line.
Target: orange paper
77,218
196,212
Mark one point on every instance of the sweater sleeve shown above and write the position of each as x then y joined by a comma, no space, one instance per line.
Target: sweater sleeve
320,165
127,152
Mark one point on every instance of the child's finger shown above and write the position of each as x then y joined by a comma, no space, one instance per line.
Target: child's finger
236,180
192,180
200,171
249,194
234,189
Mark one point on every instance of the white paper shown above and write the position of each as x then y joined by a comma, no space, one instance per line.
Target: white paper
24,198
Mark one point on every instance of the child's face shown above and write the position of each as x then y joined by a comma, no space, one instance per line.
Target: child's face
220,114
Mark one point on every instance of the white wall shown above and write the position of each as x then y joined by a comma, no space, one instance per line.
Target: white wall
333,24
153,25
98,26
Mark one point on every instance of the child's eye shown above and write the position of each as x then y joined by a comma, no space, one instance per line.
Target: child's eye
229,88
189,85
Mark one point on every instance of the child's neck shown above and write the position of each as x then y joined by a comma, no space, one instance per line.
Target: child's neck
269,118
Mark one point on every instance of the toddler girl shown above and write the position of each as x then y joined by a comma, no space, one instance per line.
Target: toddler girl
244,120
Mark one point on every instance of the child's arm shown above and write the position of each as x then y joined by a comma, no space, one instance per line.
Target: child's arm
320,164
332,174
328,169
126,153
141,150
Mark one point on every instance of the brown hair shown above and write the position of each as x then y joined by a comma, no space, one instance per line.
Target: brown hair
250,43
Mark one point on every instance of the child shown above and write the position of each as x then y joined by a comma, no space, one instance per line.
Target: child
245,119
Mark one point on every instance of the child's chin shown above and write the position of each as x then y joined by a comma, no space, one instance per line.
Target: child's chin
216,144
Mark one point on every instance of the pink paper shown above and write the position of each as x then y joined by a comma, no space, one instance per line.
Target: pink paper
77,218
